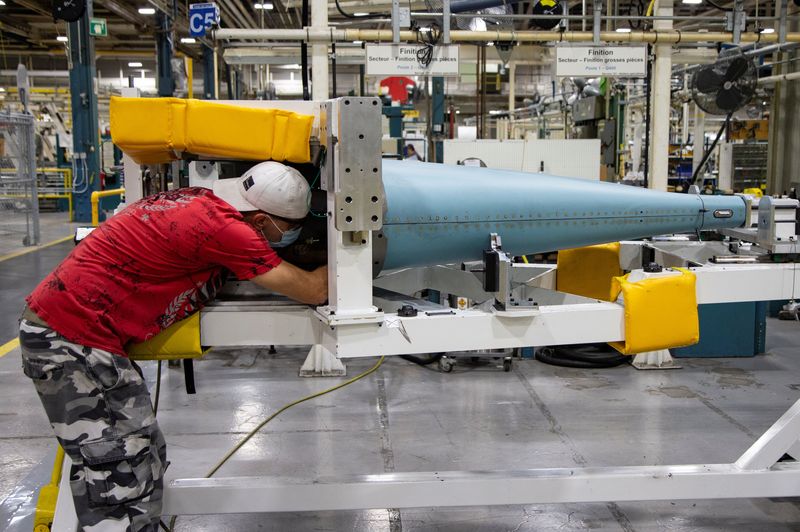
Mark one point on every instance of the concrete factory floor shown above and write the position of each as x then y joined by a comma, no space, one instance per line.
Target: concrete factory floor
408,418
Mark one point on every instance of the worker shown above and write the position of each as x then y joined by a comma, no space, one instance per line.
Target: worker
153,264
411,153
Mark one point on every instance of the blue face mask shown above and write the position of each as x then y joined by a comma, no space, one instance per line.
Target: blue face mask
288,237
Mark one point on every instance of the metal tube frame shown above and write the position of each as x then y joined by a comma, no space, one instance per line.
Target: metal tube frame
755,474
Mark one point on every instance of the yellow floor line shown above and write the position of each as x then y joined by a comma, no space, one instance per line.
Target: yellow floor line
35,248
9,346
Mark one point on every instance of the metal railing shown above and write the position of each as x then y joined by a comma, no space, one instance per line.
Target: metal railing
55,184
95,199
19,204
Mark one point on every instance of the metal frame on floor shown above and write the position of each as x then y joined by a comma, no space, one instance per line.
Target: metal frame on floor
757,473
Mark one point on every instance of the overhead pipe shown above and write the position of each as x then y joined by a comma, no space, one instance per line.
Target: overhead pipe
352,34
780,77
748,51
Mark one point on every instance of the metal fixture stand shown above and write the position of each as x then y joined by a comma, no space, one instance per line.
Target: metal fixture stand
351,174
661,359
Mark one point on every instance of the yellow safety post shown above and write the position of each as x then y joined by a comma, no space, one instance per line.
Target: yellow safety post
96,195
48,495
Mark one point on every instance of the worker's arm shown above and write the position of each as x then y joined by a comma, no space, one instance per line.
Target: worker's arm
300,285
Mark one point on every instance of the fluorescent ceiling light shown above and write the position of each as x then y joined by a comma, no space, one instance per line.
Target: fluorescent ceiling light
62,38
358,42
767,30
623,30
147,11
695,2
188,40
263,5
360,14
1,88
134,64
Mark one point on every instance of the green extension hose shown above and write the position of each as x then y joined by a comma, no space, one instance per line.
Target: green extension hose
278,412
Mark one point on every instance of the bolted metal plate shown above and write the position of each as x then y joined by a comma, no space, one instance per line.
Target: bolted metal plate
359,197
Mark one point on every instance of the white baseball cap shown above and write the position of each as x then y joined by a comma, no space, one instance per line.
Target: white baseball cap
270,187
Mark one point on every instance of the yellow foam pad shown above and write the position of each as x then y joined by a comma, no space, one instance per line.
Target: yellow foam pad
151,130
589,271
179,340
660,313
157,130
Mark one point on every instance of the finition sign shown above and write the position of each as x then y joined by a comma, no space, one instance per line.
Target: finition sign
403,60
590,61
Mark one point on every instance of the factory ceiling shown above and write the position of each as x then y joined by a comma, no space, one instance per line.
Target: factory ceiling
27,28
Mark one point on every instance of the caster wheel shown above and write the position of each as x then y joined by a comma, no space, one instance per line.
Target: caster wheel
507,364
446,365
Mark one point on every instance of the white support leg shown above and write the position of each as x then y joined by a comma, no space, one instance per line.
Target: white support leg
322,363
773,444
65,518
661,359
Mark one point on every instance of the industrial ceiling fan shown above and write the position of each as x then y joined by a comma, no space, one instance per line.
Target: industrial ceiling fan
722,89
725,86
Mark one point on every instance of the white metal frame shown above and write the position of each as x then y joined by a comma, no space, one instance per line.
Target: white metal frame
757,473
560,319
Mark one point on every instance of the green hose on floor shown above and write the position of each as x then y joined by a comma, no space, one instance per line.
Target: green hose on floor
278,412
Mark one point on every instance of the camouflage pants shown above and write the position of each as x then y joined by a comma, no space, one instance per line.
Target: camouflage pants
100,411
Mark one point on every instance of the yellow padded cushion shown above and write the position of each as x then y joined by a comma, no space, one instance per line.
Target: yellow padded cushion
154,130
660,313
179,340
150,129
219,130
589,271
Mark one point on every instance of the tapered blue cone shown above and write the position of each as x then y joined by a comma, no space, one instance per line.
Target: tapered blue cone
440,214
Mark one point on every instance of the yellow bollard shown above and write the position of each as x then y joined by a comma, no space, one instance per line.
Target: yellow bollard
48,495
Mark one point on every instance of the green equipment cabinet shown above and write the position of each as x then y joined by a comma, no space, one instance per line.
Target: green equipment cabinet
729,330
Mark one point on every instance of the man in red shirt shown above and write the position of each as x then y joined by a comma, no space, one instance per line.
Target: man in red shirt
153,264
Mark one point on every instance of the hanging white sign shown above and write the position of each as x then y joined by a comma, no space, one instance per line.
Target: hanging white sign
409,60
592,61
